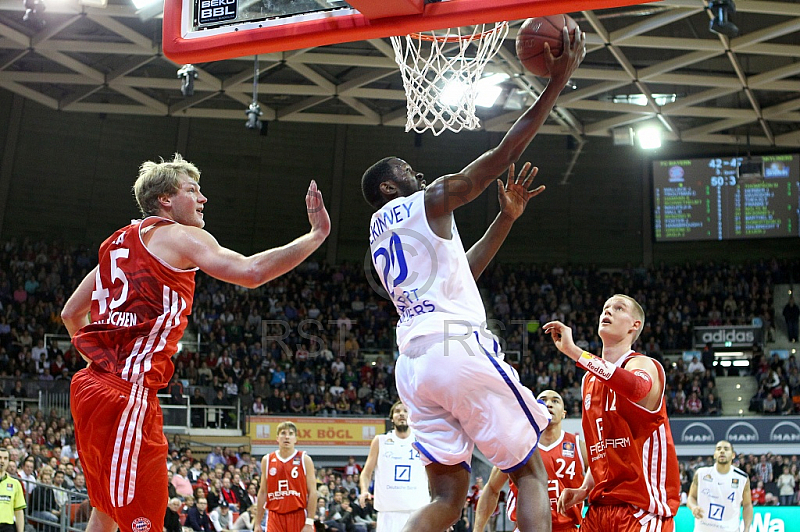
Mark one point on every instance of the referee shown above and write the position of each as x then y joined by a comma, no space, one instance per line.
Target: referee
12,500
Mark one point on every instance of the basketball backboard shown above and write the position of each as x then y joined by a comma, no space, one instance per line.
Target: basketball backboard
198,31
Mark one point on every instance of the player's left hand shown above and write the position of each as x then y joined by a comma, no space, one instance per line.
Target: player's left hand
561,335
515,193
317,214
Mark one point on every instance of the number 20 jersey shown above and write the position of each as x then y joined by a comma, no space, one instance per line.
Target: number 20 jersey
427,277
720,498
139,309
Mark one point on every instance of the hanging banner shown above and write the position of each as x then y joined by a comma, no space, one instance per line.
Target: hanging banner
317,430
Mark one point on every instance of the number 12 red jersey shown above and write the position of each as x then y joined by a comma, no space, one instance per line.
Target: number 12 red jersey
140,306
630,449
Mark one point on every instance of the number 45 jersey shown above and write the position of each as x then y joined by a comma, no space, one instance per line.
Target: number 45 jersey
139,309
427,277
720,497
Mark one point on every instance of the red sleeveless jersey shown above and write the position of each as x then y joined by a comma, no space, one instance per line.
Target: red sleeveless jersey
511,502
287,487
140,306
564,464
630,449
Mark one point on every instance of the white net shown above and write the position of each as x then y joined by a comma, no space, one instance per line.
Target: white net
441,71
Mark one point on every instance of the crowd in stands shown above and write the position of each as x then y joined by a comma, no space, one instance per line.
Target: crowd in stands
778,386
298,345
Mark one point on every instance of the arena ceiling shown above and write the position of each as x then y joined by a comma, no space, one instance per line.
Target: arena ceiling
652,62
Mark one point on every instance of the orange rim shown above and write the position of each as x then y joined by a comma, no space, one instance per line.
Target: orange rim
432,37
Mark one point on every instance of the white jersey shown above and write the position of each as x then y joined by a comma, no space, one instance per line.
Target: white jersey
720,498
427,277
401,484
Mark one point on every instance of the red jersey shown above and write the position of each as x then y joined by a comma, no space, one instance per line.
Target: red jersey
631,452
564,464
287,487
140,306
511,502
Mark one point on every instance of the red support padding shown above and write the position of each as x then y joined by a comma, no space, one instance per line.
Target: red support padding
373,9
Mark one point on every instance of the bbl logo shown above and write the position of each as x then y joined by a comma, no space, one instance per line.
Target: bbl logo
697,433
141,524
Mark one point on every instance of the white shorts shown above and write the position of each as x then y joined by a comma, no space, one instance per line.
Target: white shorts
392,521
461,393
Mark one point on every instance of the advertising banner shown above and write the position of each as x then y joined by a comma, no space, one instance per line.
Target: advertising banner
317,430
707,431
765,519
727,336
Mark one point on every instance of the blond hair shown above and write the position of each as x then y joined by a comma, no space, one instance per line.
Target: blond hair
161,179
637,311
288,425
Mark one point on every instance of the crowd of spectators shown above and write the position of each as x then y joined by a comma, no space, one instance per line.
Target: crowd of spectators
320,340
778,383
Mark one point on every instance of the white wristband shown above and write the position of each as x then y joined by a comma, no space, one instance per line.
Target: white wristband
309,521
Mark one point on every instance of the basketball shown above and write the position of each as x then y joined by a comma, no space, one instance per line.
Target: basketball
532,35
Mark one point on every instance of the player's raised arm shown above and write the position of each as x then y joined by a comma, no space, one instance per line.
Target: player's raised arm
192,246
513,197
489,498
449,192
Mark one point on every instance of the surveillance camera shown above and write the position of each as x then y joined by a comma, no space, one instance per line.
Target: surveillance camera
187,74
253,113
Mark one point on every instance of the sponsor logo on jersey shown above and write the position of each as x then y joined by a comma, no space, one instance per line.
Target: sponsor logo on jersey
742,432
568,449
707,477
389,441
785,431
296,461
141,524
9,487
697,432
587,401
5,498
735,483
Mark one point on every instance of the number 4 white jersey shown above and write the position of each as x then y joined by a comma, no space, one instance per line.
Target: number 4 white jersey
720,498
401,484
427,277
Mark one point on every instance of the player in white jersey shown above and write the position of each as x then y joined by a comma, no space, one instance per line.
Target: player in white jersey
718,492
401,484
451,372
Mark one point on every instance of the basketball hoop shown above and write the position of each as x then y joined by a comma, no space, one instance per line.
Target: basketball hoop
433,63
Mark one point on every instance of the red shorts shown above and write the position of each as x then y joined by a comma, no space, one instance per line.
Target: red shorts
624,518
121,446
291,522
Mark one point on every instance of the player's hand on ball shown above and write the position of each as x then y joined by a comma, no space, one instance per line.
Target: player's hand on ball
514,195
562,67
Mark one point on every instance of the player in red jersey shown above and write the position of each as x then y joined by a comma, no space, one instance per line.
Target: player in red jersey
564,457
633,483
126,318
288,486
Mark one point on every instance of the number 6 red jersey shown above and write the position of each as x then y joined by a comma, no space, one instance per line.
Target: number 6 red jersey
287,488
139,309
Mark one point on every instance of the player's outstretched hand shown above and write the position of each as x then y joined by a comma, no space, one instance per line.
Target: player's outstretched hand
570,497
698,512
561,335
317,214
562,67
514,195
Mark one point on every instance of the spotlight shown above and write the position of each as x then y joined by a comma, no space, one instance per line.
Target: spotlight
253,113
33,13
721,23
649,137
187,74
